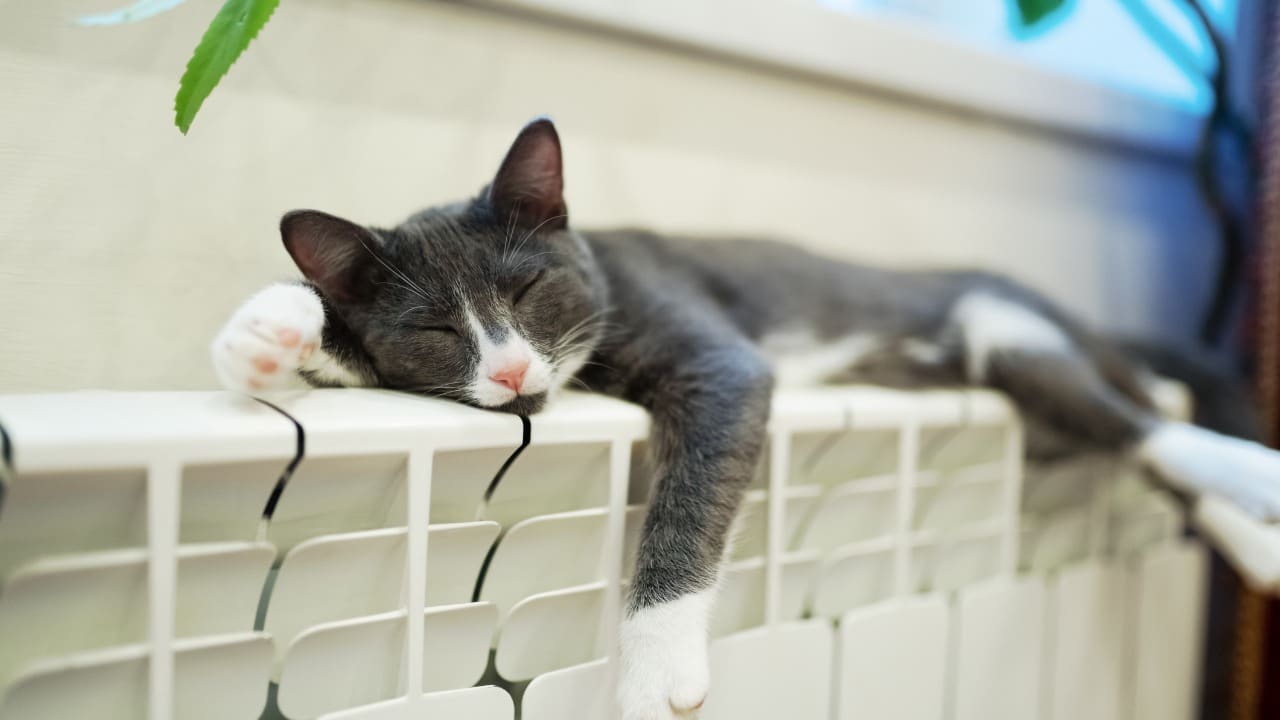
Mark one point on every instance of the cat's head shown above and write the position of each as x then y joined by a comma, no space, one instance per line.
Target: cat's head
494,302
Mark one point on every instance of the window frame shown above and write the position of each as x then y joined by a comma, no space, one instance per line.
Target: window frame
868,50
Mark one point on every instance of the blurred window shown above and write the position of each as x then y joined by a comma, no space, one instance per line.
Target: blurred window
1128,71
1149,47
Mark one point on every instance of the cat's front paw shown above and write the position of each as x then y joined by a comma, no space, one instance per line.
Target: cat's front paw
268,338
664,671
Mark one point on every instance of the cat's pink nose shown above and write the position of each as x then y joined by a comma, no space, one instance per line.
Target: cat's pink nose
511,376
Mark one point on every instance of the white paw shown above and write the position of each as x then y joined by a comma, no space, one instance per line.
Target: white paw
268,338
1201,461
1256,485
664,673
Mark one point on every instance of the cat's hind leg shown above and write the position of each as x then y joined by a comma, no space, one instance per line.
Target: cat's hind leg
1010,346
1198,460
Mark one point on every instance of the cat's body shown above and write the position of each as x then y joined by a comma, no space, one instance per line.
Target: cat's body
814,320
497,303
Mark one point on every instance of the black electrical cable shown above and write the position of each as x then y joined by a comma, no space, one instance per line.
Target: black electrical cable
1230,265
488,493
8,470
1222,118
6,449
299,453
524,443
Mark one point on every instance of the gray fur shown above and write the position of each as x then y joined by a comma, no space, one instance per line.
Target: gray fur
673,325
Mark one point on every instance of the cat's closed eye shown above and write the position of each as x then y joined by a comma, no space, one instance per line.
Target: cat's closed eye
447,329
526,286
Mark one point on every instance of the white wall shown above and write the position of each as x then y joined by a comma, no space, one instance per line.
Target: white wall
123,244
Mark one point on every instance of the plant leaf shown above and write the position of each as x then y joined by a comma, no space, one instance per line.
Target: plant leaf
1032,12
140,10
232,29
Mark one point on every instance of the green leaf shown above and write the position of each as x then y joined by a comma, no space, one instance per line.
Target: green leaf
232,29
1031,12
140,10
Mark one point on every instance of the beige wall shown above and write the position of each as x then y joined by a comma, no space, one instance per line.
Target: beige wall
123,245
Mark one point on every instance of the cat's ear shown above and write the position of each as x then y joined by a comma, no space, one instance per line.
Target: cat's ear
529,187
335,254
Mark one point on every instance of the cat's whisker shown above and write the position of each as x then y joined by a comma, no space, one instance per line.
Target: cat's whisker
401,286
588,321
406,312
571,348
594,363
577,342
510,232
443,389
591,323
577,335
409,284
532,257
568,346
566,350
420,291
536,228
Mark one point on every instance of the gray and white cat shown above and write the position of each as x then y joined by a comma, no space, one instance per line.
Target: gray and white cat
496,302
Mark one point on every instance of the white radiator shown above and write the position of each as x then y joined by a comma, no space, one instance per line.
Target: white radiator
883,569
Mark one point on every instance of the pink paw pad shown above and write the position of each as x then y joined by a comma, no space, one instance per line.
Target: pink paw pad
289,337
265,364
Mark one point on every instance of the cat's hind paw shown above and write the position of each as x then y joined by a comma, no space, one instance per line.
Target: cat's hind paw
268,339
1201,461
1256,489
665,674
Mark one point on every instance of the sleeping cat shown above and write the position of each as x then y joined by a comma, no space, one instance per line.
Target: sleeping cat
496,302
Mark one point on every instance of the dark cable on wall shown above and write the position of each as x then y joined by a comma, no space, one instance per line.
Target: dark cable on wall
1223,121
1231,234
